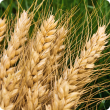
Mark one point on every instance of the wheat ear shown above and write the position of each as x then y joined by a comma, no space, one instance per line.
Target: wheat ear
47,36
56,52
10,56
68,89
40,52
2,28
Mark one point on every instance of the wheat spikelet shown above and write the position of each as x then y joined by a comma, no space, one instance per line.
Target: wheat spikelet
2,28
68,89
48,107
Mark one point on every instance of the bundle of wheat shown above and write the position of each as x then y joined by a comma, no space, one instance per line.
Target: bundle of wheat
32,76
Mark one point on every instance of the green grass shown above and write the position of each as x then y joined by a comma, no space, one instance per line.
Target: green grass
86,15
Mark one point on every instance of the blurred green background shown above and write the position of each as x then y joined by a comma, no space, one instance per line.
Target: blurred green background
65,5
86,9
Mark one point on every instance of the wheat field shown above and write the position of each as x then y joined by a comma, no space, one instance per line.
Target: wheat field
52,58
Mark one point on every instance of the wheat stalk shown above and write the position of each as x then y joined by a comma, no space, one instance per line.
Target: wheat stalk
68,89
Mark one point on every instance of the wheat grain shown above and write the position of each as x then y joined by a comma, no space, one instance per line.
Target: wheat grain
2,28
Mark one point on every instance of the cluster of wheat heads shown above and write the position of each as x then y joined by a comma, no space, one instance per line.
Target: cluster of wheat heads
33,72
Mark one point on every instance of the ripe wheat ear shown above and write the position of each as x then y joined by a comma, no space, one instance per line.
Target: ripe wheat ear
9,88
56,52
10,56
39,54
40,50
69,88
